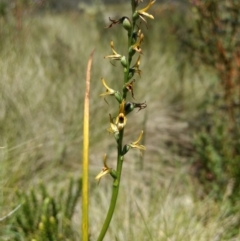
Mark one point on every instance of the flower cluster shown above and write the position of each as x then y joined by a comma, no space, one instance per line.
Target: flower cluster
118,123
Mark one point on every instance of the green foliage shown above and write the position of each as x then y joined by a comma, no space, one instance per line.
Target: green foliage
218,153
213,40
217,160
45,215
3,9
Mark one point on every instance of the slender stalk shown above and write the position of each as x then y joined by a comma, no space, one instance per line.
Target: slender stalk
85,154
116,185
120,158
117,128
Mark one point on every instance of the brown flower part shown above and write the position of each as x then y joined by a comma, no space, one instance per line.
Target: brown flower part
140,106
105,169
137,45
114,22
129,87
130,106
135,67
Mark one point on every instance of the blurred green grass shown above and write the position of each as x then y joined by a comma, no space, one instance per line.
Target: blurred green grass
41,106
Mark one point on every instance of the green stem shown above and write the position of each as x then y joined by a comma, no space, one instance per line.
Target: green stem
116,185
116,182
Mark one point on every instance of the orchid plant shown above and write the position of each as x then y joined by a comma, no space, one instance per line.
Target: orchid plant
117,124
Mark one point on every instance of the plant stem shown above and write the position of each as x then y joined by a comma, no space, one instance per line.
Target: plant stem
120,158
116,185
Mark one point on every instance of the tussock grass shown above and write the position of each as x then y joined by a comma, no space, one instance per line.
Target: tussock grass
41,106
151,208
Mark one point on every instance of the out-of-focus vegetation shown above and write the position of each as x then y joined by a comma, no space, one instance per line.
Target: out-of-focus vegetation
213,40
186,186
44,216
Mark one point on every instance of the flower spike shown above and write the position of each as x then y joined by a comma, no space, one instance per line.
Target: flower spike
130,64
142,12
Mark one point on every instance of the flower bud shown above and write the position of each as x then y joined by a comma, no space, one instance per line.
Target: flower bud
118,97
125,149
126,23
131,51
129,107
113,173
116,136
131,73
124,61
135,16
134,37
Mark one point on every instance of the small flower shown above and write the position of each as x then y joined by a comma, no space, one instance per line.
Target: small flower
123,20
121,119
109,91
137,45
130,106
142,12
115,55
135,35
135,68
136,144
129,87
124,61
105,169
113,127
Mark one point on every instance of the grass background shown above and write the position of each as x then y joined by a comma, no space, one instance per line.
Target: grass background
42,87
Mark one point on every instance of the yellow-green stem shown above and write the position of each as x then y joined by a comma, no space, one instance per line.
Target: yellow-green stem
85,154
116,185
120,158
